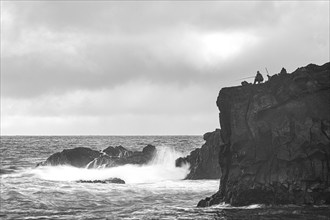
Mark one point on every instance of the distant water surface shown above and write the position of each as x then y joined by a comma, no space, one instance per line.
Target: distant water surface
153,191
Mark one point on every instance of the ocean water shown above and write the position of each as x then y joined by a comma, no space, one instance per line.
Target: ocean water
152,191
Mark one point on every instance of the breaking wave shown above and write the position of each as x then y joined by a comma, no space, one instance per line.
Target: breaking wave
160,168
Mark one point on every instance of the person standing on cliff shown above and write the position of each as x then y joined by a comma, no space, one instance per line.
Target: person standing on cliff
258,78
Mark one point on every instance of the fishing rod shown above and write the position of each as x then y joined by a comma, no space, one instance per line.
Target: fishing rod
267,70
250,77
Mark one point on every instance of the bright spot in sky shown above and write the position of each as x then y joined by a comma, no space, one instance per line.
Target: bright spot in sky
222,46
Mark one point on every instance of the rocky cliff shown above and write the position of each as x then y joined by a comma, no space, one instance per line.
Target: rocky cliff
204,162
276,140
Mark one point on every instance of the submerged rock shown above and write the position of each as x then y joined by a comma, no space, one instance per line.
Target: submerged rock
109,157
276,140
8,169
204,162
111,180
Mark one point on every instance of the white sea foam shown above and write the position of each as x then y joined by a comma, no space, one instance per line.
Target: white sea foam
228,206
160,168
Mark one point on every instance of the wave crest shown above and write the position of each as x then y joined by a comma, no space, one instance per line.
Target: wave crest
160,168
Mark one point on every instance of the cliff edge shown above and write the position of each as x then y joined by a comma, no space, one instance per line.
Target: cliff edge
276,140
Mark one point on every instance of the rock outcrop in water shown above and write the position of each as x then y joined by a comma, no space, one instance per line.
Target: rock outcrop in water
109,157
204,163
123,157
77,157
111,180
276,140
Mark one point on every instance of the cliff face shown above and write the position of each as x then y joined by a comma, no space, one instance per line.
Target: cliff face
276,140
204,162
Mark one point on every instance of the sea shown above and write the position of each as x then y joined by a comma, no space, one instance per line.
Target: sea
156,190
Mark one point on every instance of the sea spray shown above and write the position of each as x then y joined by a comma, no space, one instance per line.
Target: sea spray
160,168
24,195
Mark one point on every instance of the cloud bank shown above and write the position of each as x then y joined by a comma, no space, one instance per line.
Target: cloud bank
83,67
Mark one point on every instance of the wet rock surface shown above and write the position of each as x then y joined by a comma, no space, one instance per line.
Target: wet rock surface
112,180
204,163
124,157
77,157
109,157
118,151
276,140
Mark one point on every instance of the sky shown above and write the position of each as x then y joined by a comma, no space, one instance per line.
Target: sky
147,67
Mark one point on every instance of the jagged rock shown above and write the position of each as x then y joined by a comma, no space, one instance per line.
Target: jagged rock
276,140
77,157
204,163
109,157
124,157
111,180
118,151
245,83
149,149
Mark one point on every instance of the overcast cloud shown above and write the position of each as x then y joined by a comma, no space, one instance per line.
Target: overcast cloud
98,67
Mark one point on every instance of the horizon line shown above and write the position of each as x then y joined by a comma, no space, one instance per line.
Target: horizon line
113,135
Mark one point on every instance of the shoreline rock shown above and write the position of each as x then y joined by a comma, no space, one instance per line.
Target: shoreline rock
77,157
83,157
204,162
276,140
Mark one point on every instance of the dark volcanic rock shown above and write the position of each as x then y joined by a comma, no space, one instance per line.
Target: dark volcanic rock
204,163
276,140
149,149
111,180
118,151
109,157
77,157
123,157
